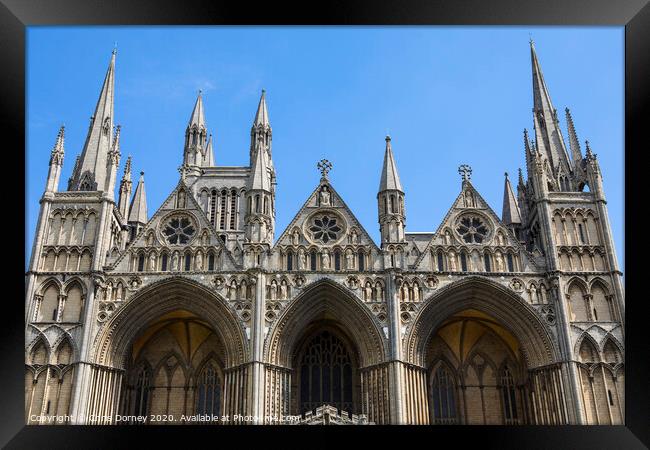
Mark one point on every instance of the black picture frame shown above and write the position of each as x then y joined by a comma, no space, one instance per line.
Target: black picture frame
16,15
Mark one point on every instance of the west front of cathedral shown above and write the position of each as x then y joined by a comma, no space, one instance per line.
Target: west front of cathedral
205,313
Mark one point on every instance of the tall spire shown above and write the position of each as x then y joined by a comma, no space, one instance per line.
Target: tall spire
209,154
261,133
90,174
510,214
125,189
389,176
195,135
548,135
138,213
56,162
574,143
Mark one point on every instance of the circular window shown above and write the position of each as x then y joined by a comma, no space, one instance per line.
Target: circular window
179,230
325,228
472,229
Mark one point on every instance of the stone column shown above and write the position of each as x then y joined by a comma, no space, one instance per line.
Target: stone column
257,346
396,391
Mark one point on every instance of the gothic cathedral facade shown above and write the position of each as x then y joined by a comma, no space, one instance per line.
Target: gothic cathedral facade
203,310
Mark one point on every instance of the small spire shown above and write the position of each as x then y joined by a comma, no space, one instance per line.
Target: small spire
520,177
138,212
60,139
510,213
262,114
389,176
209,154
127,168
116,138
198,116
260,178
588,152
574,143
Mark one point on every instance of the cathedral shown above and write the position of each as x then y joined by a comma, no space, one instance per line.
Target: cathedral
203,312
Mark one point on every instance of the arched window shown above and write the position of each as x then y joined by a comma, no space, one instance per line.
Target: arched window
385,205
326,374
290,261
266,205
213,206
392,203
224,206
163,266
362,260
441,266
486,260
141,401
443,397
257,203
337,260
233,208
463,262
209,392
188,262
211,261
582,234
509,398
312,257
511,264
140,263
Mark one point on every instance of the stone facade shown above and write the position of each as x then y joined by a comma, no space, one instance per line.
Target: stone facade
198,313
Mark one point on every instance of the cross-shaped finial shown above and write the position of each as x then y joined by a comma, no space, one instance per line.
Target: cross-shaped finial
324,166
465,171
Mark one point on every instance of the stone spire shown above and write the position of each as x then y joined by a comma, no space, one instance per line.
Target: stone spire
56,162
208,160
548,136
390,203
389,177
90,174
260,175
195,135
125,189
574,143
510,214
261,134
138,212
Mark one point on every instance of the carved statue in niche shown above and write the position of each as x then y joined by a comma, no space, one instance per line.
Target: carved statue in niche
533,293
109,291
152,262
283,290
416,292
175,262
273,290
498,262
452,261
367,292
181,199
199,261
295,237
500,239
119,292
262,231
325,260
448,237
354,236
324,196
302,259
232,290
469,199
379,292
349,259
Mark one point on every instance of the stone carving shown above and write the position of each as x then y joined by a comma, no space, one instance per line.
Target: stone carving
152,262
324,196
379,292
533,293
325,260
516,285
432,282
353,282
298,281
218,282
452,261
367,292
198,261
109,292
295,236
175,262
354,236
349,259
498,262
283,290
302,259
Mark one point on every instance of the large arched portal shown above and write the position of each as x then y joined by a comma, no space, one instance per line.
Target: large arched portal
175,348
327,348
482,355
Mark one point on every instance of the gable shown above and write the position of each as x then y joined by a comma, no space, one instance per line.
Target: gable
179,226
313,226
472,225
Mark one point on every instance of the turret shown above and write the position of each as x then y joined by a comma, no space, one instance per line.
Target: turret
138,213
390,201
112,164
510,215
125,189
196,137
56,162
261,135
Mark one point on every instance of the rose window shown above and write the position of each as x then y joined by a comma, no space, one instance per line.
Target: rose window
325,229
472,230
179,230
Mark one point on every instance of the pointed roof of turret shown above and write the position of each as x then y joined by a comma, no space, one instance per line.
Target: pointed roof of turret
198,116
510,214
262,114
541,96
99,140
127,170
138,212
389,176
60,141
209,154
574,143
260,175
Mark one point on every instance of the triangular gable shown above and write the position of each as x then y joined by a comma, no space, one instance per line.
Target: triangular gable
337,205
469,200
204,227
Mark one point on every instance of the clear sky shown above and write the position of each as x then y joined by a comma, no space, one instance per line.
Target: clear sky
446,95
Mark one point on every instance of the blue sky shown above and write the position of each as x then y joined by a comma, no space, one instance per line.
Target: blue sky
446,95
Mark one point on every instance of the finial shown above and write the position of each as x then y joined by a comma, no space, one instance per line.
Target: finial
200,91
115,48
387,137
530,39
263,91
506,175
465,172
141,174
324,166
